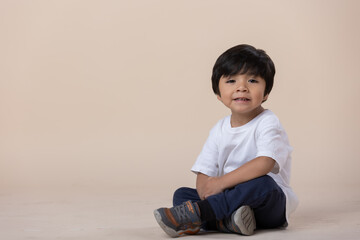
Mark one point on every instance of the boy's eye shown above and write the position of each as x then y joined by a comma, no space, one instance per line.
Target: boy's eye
253,81
230,81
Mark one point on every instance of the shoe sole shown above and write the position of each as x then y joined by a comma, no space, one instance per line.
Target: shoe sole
244,218
170,231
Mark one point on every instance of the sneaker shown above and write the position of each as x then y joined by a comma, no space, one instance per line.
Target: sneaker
179,220
242,221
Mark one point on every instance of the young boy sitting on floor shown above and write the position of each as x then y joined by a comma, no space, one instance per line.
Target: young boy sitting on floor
243,170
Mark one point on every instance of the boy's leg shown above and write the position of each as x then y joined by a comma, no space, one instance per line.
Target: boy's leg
262,194
184,194
184,217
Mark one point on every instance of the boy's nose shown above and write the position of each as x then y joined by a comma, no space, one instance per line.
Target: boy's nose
241,87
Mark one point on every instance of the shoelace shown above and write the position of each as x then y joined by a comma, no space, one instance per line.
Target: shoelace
181,213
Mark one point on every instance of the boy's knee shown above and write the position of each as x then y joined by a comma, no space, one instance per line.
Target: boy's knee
179,196
180,192
184,194
266,181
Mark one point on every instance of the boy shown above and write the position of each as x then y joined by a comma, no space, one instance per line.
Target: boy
243,170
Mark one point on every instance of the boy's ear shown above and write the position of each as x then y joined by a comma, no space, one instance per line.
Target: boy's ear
265,97
218,97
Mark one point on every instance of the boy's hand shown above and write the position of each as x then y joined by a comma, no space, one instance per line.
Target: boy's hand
207,186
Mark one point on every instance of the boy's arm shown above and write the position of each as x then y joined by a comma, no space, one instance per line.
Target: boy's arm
201,181
207,186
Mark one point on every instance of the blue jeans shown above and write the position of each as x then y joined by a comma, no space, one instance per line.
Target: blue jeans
262,194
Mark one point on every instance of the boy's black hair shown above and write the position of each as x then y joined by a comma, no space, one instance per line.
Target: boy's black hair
243,59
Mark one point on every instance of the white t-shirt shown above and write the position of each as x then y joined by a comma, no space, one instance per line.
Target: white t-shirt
227,148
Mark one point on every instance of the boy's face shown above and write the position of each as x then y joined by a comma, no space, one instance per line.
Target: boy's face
243,94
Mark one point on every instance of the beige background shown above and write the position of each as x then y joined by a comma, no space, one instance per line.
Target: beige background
118,94
105,105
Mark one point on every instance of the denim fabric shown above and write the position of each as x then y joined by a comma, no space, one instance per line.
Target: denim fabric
262,194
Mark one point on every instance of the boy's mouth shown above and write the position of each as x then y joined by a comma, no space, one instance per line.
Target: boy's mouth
242,99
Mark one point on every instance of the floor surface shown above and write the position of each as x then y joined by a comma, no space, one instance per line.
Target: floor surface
119,214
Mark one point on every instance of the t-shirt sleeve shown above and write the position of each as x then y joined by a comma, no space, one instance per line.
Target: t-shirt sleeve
272,142
207,161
